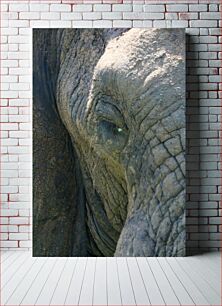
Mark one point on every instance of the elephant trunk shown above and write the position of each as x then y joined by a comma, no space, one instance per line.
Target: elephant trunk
155,223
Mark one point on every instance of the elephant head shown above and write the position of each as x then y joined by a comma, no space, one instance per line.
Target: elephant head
129,132
121,97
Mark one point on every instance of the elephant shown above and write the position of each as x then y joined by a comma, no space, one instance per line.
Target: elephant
109,142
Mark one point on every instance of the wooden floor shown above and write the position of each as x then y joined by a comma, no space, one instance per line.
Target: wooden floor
110,281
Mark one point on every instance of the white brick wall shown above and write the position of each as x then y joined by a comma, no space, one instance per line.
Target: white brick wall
201,20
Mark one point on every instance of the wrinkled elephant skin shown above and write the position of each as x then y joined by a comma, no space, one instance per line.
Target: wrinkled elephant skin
128,131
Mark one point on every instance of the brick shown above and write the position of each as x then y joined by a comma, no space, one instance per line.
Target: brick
9,31
60,24
71,16
82,24
4,7
9,63
122,23
215,220
39,24
92,15
147,23
19,102
102,24
29,15
200,236
9,212
18,150
162,23
19,71
19,220
208,205
24,229
51,16
215,236
102,7
154,8
13,47
9,142
25,244
3,220
60,8
171,16
135,15
197,7
216,31
121,7
39,7
18,236
24,212
139,23
18,23
112,15
207,15
82,8
177,8
137,8
12,158
208,39
203,23
180,23
8,244
18,7
214,47
215,63
18,55
19,118
9,228
9,126
9,94
188,16
213,7
204,31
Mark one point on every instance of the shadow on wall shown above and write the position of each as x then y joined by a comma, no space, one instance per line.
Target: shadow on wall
192,149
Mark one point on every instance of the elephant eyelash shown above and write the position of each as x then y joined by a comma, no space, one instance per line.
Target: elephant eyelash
112,121
113,127
107,111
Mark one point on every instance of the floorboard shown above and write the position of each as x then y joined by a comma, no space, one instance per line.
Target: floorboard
126,289
207,291
189,284
100,283
75,287
13,269
38,283
140,291
213,279
27,280
5,255
153,290
86,294
166,288
62,287
16,297
50,285
180,291
113,284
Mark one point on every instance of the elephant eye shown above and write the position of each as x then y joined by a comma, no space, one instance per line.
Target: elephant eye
111,128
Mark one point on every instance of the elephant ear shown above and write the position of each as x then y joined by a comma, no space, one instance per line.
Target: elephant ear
59,197
58,192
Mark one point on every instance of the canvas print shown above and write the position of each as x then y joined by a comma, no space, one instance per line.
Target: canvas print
109,142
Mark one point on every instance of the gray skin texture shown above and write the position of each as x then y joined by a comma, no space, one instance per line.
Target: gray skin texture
121,97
